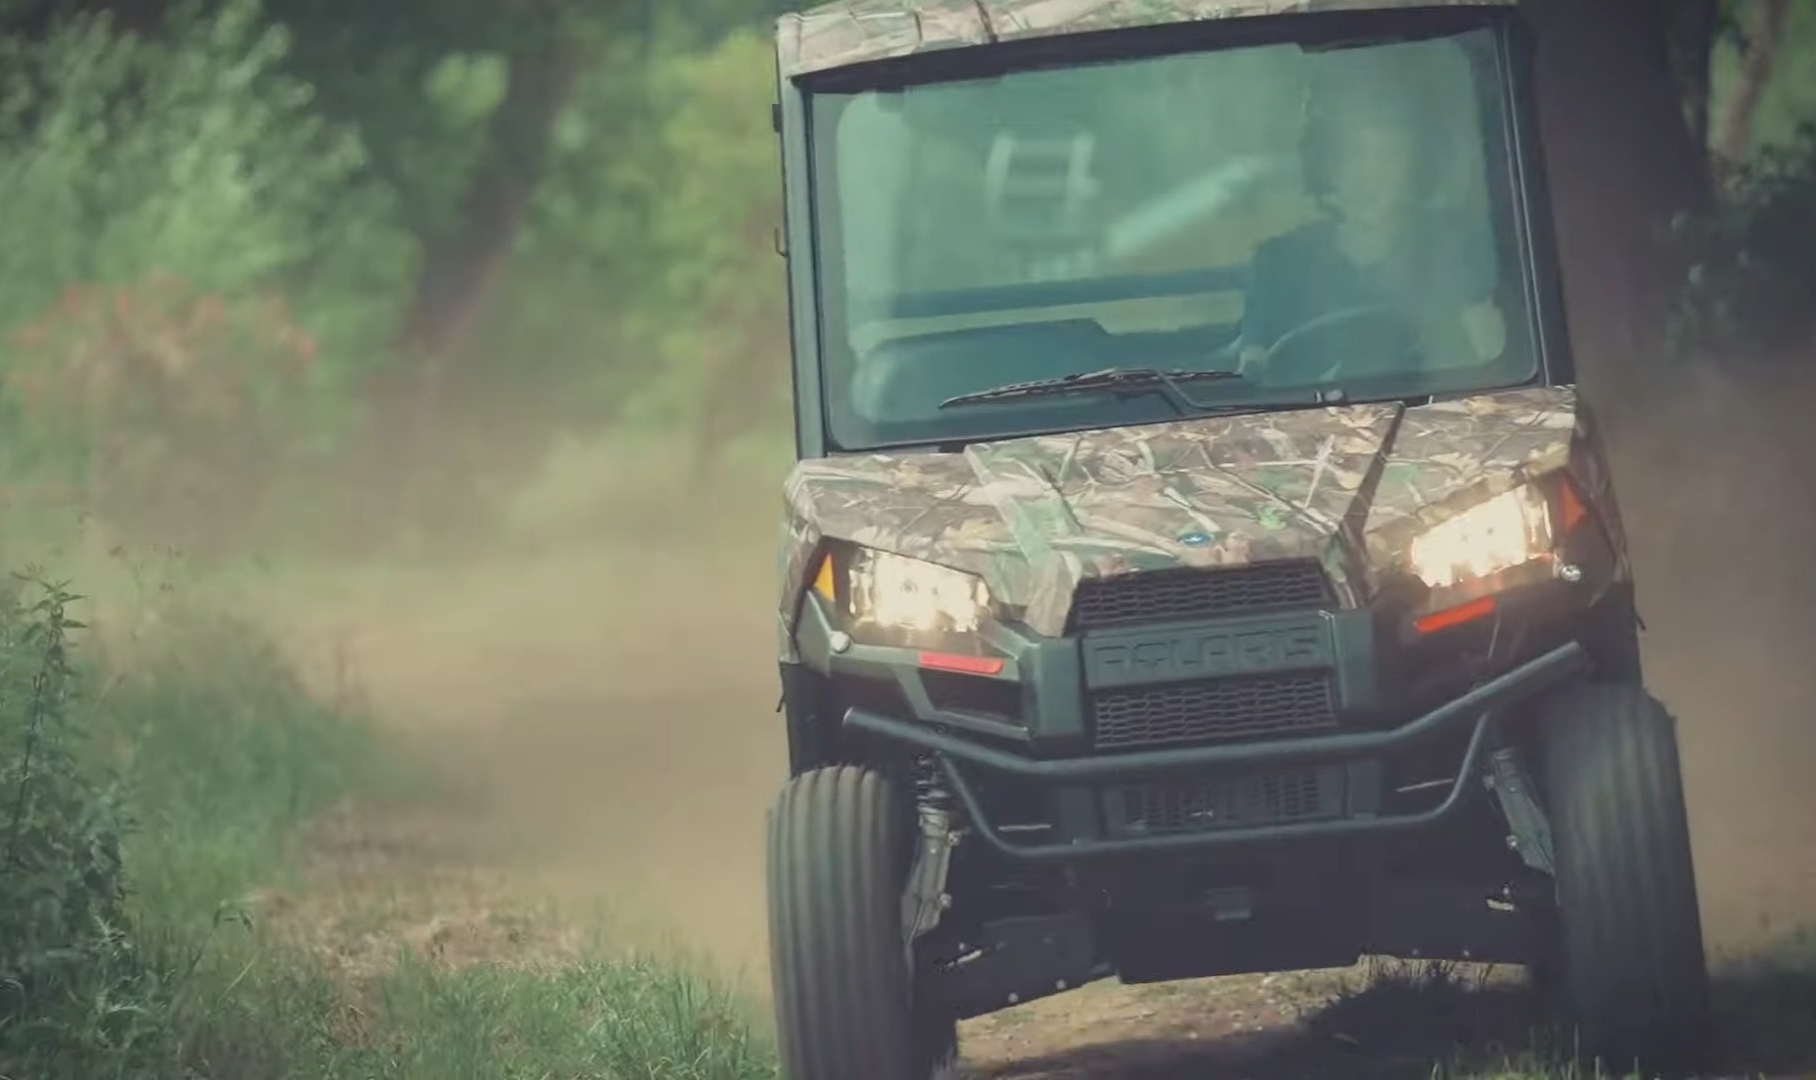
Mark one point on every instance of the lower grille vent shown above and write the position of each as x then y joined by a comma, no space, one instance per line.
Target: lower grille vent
1266,799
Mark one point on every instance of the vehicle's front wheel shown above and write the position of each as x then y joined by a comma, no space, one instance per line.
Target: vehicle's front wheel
847,1004
1629,951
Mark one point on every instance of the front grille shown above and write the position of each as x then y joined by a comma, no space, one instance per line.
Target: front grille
1167,595
1300,703
1266,799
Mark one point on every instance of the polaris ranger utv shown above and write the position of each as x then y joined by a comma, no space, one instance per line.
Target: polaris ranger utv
1198,560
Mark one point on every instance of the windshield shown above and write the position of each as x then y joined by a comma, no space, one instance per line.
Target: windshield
1335,220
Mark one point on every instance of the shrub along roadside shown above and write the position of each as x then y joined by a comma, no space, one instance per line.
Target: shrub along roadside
68,973
137,808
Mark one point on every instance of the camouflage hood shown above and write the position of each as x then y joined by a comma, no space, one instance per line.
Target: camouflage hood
1033,517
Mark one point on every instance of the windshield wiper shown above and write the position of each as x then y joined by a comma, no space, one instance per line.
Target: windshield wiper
1109,379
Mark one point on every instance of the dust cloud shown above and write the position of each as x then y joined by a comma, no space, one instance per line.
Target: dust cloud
599,686
599,690
1720,506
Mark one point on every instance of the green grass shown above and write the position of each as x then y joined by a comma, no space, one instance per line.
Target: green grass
592,1019
200,765
224,756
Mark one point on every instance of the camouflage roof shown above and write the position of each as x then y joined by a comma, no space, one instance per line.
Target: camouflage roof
856,31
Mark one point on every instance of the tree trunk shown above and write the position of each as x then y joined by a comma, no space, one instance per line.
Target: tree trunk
1623,164
1734,138
1691,27
462,270
459,277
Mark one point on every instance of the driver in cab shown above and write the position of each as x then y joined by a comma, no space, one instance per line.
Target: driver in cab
1383,242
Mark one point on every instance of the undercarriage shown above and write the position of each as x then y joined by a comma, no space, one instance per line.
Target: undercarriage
1036,874
1223,792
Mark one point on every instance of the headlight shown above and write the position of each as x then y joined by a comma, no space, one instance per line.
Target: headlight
1506,531
898,593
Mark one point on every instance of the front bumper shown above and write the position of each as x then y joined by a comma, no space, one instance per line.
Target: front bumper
1039,729
1474,709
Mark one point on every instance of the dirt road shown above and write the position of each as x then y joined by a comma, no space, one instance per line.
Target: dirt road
607,709
607,717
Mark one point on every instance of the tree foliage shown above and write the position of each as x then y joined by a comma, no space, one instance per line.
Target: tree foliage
294,228
270,226
133,163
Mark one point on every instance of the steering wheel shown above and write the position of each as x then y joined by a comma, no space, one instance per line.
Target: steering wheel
1380,336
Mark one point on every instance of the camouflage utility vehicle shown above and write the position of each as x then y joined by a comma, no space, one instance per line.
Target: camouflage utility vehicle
1198,559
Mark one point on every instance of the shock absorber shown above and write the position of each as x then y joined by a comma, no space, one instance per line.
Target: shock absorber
931,795
925,898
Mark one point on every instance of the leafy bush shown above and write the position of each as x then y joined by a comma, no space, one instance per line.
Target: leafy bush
724,347
178,401
1755,266
67,967
114,956
648,273
156,192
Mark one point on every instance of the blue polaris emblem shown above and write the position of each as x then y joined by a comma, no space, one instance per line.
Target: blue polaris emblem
1195,539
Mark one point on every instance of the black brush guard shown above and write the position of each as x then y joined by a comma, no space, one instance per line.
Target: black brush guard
1475,707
